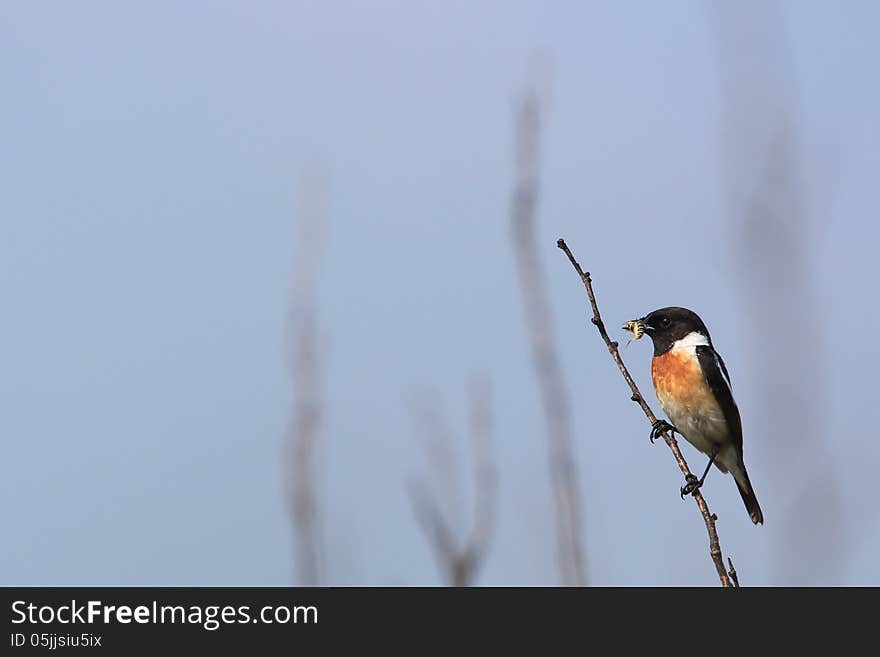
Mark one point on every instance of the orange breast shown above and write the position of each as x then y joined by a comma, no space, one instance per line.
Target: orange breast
678,380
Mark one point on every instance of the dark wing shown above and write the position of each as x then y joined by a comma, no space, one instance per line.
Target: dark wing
718,380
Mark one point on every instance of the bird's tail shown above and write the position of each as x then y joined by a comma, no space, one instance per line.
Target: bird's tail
748,494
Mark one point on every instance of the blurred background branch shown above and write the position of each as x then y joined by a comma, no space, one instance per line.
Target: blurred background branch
770,219
459,561
554,394
305,369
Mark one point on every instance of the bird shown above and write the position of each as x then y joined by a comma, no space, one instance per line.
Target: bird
694,390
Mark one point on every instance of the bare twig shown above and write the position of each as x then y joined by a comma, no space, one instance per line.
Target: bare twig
306,376
708,518
461,563
554,395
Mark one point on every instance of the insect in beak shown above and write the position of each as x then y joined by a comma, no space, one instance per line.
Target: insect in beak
636,327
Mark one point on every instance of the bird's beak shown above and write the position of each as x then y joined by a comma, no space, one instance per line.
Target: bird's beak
648,327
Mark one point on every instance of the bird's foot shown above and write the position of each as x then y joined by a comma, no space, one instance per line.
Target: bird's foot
692,484
659,427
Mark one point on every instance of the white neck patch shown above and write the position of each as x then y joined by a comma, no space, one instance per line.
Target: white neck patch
691,341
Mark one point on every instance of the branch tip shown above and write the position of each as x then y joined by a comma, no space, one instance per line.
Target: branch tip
732,573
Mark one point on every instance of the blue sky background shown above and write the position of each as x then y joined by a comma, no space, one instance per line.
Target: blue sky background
149,159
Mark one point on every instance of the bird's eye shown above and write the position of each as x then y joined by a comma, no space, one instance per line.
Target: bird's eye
664,321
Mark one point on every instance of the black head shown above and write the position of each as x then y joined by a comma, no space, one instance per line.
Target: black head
667,325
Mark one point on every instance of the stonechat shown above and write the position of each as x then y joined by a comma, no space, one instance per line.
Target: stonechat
693,387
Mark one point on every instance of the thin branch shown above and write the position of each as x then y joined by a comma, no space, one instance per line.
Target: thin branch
554,394
708,518
436,530
460,564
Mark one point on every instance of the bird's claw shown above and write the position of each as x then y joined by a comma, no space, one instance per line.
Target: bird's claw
659,427
691,485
